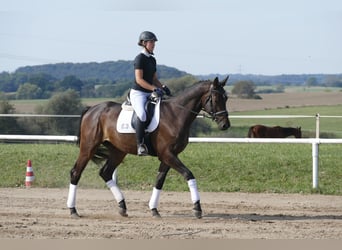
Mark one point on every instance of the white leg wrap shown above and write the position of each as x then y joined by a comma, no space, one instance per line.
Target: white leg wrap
193,190
71,202
154,201
115,190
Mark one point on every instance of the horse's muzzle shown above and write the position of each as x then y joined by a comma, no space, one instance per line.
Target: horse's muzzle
223,124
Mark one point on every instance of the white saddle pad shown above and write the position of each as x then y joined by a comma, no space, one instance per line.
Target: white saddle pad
123,124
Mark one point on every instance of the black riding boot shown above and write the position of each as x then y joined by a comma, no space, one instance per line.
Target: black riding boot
140,133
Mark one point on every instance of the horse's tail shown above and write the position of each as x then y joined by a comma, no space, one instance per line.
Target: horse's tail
250,132
79,125
102,151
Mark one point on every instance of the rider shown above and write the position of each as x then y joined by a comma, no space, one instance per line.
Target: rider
146,82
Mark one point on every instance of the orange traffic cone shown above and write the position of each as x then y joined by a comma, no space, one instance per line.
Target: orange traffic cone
29,174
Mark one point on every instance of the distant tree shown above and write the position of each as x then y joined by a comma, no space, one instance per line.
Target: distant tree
244,89
88,91
44,81
29,91
280,88
5,79
71,82
106,91
65,103
122,87
8,125
333,81
311,81
179,84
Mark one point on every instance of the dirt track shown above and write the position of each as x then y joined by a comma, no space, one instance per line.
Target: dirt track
41,213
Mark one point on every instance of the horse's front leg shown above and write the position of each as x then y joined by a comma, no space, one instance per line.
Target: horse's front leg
192,184
174,162
154,200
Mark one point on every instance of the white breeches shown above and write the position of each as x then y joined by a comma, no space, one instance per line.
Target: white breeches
138,100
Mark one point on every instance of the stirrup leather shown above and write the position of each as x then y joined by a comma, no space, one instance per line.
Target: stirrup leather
142,150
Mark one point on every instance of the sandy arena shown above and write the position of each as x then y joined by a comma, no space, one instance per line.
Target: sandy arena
38,213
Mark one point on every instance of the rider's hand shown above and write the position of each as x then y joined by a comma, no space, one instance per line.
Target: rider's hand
159,92
166,90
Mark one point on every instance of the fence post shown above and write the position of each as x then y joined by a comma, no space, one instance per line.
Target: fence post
315,149
317,125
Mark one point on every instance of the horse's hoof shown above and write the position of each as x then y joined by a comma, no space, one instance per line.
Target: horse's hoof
123,212
74,214
198,214
155,213
197,210
123,208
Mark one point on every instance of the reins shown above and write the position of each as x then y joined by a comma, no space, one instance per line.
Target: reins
194,112
212,115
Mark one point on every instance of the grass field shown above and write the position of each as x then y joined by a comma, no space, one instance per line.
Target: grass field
329,127
280,168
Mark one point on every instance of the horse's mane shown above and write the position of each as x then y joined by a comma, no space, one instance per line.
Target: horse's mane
187,92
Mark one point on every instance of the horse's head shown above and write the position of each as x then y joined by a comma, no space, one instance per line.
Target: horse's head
214,103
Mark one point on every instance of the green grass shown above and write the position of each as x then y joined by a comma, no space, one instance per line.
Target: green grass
279,168
329,127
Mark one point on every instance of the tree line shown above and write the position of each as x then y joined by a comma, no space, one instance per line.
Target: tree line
90,80
113,79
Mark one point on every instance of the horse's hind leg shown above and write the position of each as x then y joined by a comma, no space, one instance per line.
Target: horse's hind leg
75,175
108,174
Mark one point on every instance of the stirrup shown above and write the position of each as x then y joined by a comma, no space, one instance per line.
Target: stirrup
142,150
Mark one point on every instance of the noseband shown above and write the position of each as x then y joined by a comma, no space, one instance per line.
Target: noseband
213,113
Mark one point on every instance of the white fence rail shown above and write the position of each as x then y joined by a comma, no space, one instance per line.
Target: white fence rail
67,138
313,141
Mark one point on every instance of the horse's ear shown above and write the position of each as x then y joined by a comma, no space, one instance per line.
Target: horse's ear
224,81
216,80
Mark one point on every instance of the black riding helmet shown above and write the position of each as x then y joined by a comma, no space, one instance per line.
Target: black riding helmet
146,36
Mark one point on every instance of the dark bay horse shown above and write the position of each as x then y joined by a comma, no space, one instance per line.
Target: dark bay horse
261,131
98,132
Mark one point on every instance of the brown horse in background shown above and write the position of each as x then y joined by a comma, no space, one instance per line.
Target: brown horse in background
99,139
261,131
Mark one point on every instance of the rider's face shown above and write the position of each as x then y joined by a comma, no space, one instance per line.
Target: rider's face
150,45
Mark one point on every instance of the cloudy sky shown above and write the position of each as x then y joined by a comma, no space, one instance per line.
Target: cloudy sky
197,36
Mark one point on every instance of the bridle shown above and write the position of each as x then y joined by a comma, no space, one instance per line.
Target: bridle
213,113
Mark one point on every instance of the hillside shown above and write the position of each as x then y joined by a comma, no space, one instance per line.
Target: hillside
111,70
122,70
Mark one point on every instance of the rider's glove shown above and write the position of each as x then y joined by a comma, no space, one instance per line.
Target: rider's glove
159,92
166,90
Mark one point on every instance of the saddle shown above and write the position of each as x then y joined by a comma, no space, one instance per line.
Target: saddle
127,116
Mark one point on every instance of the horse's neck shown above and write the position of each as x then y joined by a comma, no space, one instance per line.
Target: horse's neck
190,99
